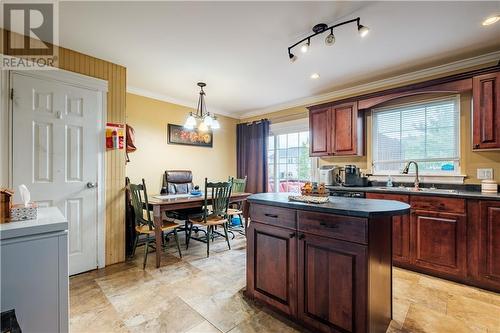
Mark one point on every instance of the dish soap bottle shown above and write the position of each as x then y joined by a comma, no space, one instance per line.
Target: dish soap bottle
389,181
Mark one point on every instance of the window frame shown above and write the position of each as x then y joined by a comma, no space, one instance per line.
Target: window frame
438,173
288,127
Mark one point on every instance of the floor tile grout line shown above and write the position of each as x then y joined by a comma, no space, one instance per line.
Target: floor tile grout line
201,315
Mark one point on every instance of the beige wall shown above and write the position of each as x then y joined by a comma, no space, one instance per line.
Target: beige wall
149,118
469,160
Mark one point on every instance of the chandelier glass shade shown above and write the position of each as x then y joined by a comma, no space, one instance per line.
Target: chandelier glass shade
202,119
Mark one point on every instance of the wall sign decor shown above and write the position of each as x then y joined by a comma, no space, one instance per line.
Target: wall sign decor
115,136
178,135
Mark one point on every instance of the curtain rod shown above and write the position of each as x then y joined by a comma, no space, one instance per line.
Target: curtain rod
255,122
303,113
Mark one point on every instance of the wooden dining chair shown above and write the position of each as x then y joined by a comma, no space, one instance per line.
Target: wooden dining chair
214,212
145,225
236,209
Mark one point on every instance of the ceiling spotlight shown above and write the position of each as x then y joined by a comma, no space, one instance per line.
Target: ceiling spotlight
330,39
314,76
321,28
305,47
491,20
362,30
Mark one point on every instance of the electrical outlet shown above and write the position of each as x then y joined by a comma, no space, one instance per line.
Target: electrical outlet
485,173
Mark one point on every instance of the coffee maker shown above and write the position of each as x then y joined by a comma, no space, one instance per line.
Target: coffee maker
351,175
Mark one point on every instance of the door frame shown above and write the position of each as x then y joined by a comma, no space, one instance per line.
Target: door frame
6,126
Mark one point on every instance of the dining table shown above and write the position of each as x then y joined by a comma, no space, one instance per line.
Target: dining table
165,203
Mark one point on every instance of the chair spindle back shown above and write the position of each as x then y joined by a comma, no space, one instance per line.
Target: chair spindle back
220,194
139,203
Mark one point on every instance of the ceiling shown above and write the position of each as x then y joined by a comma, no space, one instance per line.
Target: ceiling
240,48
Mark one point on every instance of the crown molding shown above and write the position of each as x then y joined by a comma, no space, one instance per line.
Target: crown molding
171,100
402,79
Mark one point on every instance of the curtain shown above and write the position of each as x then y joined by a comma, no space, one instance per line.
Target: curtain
251,151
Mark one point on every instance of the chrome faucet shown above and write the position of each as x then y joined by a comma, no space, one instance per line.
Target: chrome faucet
407,168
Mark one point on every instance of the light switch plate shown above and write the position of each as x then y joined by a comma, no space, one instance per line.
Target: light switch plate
485,173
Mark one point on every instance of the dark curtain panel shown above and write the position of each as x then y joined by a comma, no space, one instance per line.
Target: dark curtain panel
251,150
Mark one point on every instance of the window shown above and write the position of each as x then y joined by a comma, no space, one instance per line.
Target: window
288,158
427,133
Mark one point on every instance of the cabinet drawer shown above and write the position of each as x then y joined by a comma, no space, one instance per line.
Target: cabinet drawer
282,217
352,229
439,204
390,196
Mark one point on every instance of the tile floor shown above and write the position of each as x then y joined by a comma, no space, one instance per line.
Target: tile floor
201,295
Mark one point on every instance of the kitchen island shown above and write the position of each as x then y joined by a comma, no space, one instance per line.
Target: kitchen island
325,266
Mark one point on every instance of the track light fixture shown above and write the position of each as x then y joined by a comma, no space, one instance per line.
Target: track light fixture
329,40
305,47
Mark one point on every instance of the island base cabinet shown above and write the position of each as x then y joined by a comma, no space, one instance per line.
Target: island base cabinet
272,266
332,283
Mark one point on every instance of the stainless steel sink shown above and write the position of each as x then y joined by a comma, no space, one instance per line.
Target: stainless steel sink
412,189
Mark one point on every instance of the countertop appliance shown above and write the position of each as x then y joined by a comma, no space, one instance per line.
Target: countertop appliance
352,176
347,194
329,175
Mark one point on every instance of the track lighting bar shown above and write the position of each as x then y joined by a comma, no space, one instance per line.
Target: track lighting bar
330,39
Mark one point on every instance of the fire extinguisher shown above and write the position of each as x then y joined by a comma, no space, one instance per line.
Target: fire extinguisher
114,138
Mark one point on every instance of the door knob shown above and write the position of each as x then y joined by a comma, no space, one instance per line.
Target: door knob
91,185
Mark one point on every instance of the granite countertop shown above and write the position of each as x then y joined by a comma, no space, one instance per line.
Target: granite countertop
49,219
458,192
336,205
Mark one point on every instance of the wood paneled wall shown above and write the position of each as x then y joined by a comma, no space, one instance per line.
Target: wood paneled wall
115,159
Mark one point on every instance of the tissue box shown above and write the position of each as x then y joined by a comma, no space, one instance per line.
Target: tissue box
19,212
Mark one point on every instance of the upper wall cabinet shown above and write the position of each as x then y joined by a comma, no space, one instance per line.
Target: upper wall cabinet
336,130
319,132
486,111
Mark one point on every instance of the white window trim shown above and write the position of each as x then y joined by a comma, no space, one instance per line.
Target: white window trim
286,127
436,177
298,125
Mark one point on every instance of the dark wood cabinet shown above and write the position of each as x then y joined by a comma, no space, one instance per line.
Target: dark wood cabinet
489,244
400,229
452,238
272,266
439,242
332,273
336,130
347,130
319,132
332,282
486,111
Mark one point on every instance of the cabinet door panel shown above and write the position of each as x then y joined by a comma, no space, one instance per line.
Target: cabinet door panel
486,111
439,242
489,243
271,262
270,256
343,129
344,119
400,228
330,271
319,132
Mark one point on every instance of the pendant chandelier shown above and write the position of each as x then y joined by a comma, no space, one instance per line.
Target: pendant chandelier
202,119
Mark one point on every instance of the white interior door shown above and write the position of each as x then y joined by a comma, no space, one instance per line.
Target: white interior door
55,153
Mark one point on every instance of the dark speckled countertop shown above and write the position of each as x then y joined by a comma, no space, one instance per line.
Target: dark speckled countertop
336,205
458,192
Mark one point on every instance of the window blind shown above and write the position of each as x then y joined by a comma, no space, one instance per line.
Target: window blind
426,132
